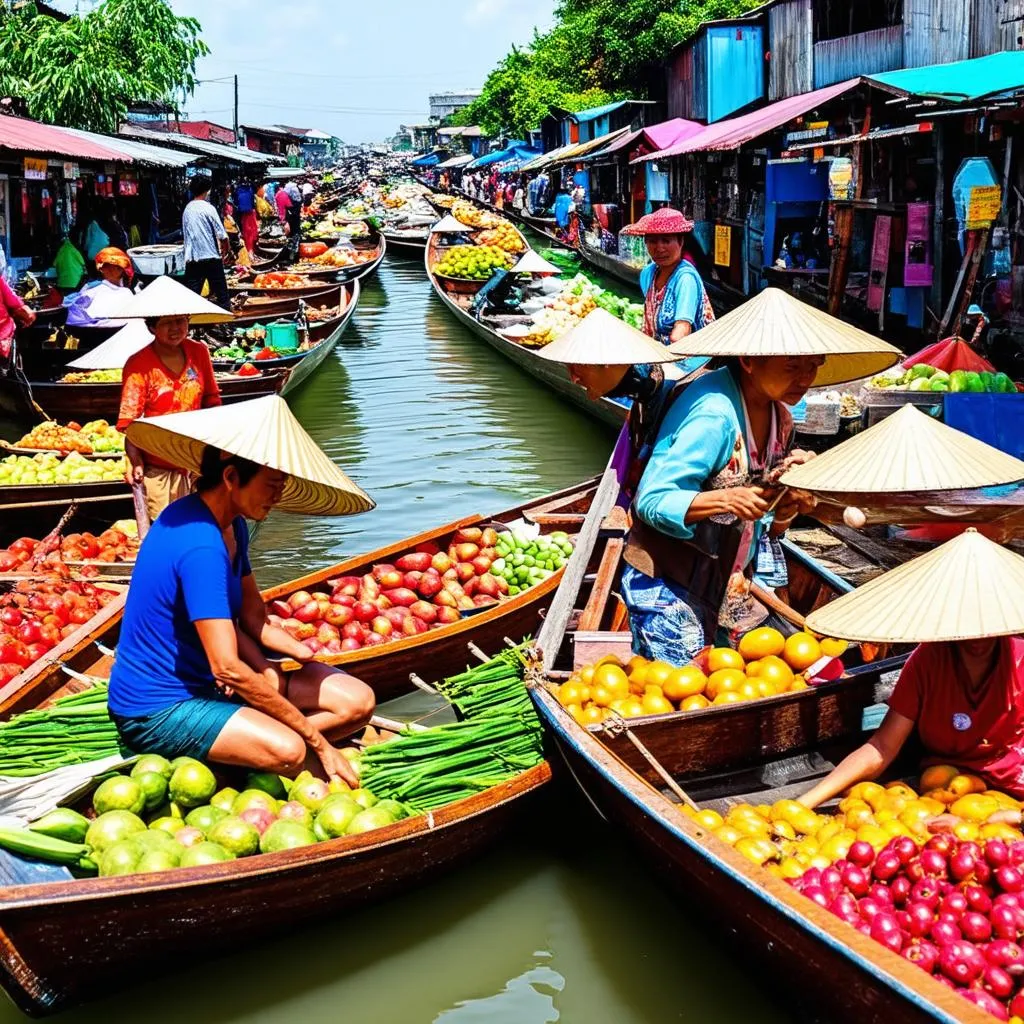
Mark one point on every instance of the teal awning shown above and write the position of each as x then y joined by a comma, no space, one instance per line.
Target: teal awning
959,82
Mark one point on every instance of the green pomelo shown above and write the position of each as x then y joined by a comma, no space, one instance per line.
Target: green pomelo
204,818
364,798
178,762
204,853
111,828
286,835
268,782
310,793
156,839
119,793
236,836
152,763
192,785
224,798
121,858
394,808
254,798
157,860
154,788
368,820
168,824
336,815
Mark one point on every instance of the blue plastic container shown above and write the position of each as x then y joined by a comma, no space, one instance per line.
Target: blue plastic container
997,420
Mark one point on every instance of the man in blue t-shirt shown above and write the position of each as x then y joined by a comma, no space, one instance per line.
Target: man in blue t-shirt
190,676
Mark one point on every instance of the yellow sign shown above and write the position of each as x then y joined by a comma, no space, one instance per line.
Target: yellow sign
983,206
35,168
723,245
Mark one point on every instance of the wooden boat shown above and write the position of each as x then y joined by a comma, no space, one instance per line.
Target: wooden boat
556,376
83,402
410,242
63,941
23,498
759,751
314,289
323,338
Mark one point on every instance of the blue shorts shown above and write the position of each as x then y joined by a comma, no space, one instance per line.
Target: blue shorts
186,729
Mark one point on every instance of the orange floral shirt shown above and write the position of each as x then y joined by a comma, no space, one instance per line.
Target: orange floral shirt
148,388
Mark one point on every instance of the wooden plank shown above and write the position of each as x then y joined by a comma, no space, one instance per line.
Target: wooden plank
607,573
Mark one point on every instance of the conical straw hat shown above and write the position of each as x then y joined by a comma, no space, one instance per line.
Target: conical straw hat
117,349
532,262
450,225
601,339
775,324
167,297
265,431
907,451
968,588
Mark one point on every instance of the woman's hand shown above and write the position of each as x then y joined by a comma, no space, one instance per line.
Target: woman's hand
336,766
747,503
135,474
793,504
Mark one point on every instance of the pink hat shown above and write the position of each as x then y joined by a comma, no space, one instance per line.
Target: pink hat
665,221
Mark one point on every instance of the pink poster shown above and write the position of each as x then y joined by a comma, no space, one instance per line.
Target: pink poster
918,270
879,263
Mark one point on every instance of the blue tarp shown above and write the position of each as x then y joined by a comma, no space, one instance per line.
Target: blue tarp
518,152
427,161
964,80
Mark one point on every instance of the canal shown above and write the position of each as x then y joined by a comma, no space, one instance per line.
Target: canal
561,923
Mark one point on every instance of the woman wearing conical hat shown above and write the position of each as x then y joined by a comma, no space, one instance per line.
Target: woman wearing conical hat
193,676
962,690
173,373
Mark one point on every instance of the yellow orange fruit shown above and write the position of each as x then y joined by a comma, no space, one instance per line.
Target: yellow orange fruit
749,690
576,710
775,671
593,714
587,674
975,807
833,648
613,677
708,818
967,831
756,849
657,672
725,679
728,697
698,702
724,657
602,695
766,689
801,651
635,664
999,830
753,668
790,868
902,788
632,707
799,683
760,643
654,702
570,693
684,682
838,846
729,834
961,785
783,830
857,816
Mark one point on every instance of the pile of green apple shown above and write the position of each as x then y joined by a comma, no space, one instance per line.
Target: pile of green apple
48,468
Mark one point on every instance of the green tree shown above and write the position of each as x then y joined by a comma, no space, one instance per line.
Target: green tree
84,72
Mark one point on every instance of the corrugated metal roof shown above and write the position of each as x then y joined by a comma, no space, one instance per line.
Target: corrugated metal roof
142,152
579,150
25,136
595,112
204,147
961,81
457,161
735,131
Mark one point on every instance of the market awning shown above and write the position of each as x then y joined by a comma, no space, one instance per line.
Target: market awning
429,160
959,82
25,136
735,131
521,154
457,161
657,136
545,159
142,152
579,150
875,135
229,154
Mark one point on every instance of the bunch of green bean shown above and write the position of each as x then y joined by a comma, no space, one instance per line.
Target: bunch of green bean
73,730
499,739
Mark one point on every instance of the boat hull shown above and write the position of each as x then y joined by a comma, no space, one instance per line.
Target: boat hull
305,368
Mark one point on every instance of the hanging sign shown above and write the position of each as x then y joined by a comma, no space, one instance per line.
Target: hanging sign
983,206
35,168
723,245
70,170
840,178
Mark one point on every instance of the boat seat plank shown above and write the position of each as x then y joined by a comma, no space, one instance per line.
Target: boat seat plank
564,519
607,573
15,870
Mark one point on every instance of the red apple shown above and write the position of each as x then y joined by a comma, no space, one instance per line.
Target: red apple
380,569
483,600
282,608
333,646
464,603
409,627
441,562
424,610
488,584
374,639
451,574
369,587
471,585
466,552
350,643
352,631
468,534
365,611
465,571
396,616
313,644
326,633
428,547
418,561
304,630
445,600
382,626
347,585
502,584
446,616
481,564
390,580
489,537
401,596
412,580
338,615
454,587
430,584
309,612
299,598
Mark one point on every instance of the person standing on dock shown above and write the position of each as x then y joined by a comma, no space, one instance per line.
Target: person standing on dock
206,242
675,301
172,374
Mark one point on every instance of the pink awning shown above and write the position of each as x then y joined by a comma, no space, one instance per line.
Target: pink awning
734,132
660,136
25,136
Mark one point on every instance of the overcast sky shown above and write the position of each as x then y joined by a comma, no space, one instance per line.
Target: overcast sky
352,69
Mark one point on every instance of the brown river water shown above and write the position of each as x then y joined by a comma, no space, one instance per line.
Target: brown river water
562,922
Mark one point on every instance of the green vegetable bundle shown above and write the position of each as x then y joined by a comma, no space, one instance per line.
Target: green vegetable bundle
74,730
499,738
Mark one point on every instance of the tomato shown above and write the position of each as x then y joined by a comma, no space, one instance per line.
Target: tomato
8,561
30,632
50,634
14,651
11,616
80,615
89,546
8,670
37,650
26,544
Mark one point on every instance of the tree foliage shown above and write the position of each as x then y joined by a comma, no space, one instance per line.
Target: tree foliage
84,72
598,50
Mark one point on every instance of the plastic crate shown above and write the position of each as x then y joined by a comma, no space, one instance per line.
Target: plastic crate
283,337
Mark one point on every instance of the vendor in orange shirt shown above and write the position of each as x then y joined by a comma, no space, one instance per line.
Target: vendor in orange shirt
172,374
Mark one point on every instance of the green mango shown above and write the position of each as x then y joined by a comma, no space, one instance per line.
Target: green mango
986,379
920,384
958,381
939,385
921,370
974,384
940,375
1003,384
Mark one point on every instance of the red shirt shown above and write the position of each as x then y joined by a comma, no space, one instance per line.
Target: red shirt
149,389
986,738
283,202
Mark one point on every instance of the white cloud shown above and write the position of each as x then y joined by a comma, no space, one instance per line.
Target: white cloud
481,11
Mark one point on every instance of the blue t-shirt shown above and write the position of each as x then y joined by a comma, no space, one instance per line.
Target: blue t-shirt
183,573
683,299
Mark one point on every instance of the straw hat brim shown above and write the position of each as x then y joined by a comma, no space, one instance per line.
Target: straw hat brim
908,451
264,431
966,589
166,297
532,262
450,225
601,339
776,324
